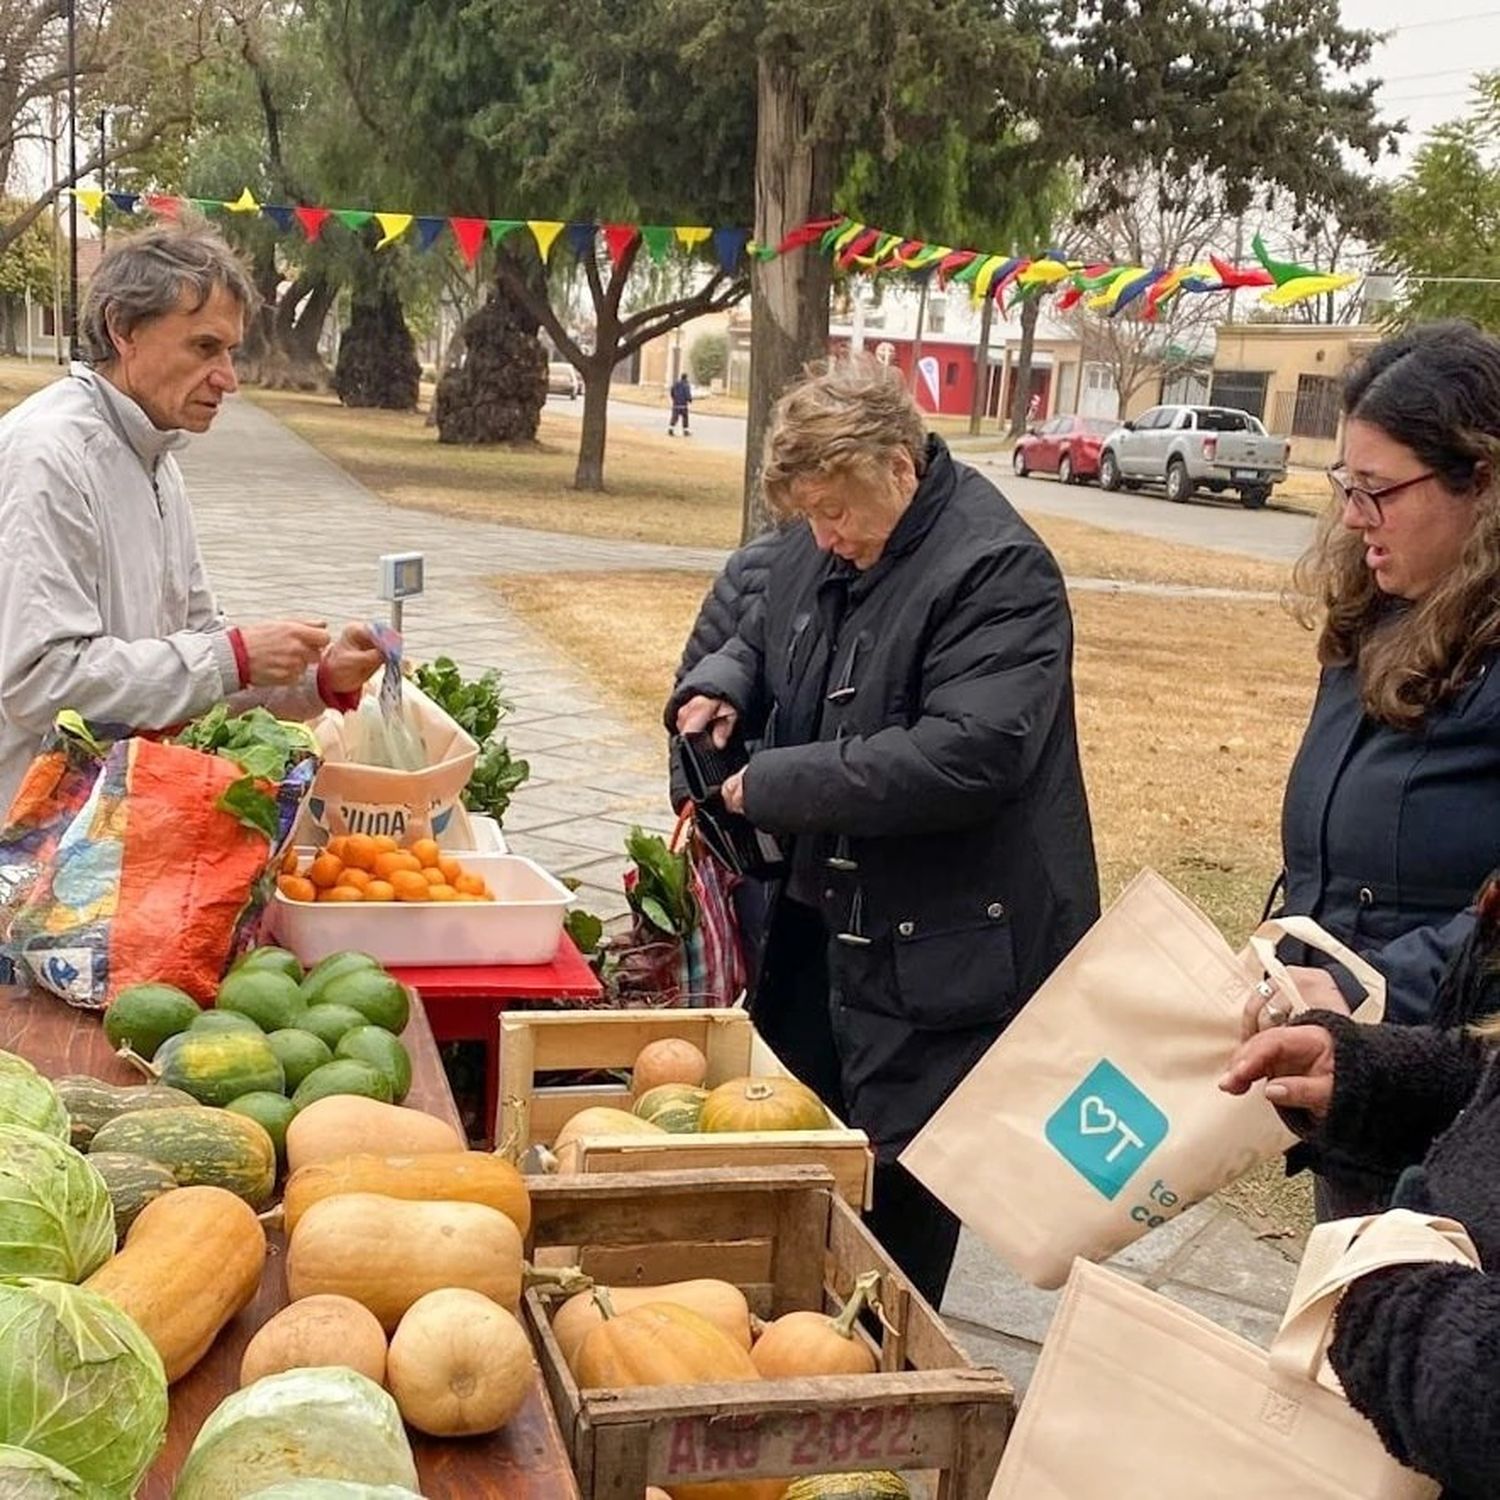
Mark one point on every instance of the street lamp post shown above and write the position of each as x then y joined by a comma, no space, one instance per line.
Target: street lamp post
103,182
73,178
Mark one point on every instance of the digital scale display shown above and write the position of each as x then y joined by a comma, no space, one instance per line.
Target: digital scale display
401,575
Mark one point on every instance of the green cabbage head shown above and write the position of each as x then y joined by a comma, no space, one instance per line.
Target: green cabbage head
82,1385
30,1476
55,1215
26,1098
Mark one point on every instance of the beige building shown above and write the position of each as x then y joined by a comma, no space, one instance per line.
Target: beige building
1290,376
664,358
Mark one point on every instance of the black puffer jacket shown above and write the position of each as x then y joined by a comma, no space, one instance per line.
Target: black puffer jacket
1418,1348
737,589
920,748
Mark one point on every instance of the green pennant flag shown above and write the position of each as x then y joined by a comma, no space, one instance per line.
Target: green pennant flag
831,235
1282,271
887,243
206,205
354,218
971,270
499,228
658,240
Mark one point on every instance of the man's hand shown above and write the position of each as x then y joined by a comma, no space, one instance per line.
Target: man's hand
1297,1061
279,652
714,714
732,793
352,659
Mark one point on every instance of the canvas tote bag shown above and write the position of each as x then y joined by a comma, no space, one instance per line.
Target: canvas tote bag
1097,1116
1136,1398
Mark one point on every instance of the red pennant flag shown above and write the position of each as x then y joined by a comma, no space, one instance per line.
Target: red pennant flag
1233,276
618,238
164,204
814,229
470,235
862,243
954,262
1070,298
312,221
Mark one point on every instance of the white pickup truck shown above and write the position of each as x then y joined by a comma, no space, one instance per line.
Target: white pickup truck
1194,447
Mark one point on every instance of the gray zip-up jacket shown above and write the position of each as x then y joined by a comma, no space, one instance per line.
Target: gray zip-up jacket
105,607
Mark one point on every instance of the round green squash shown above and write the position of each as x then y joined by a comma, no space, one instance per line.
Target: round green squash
272,1112
91,1103
673,1107
344,1075
277,959
299,1052
379,998
384,1052
223,1020
329,969
199,1145
329,1023
882,1485
217,1066
143,1016
133,1182
270,998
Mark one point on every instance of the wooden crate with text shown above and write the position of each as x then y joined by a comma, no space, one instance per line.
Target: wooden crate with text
535,1044
788,1240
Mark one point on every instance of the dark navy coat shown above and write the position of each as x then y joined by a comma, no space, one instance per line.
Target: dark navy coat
1387,834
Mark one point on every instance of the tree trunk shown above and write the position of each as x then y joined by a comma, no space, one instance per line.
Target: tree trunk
982,367
496,395
916,343
588,474
377,365
1021,392
789,295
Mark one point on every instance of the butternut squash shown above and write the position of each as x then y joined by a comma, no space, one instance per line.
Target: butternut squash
433,1176
349,1125
313,1333
459,1364
722,1304
385,1253
597,1120
192,1260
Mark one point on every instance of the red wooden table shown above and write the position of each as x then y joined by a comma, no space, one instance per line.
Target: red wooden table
525,1460
464,1003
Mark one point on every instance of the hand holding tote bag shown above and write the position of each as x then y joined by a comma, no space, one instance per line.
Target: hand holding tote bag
1137,1398
1097,1115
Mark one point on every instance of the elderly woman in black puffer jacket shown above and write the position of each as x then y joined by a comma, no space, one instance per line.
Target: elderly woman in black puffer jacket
1417,1347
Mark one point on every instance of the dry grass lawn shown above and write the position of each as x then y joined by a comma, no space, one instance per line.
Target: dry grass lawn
19,379
1189,713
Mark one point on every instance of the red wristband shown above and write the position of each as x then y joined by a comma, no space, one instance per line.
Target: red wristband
346,703
241,655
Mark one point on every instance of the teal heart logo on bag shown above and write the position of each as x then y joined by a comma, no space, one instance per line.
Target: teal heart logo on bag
1106,1128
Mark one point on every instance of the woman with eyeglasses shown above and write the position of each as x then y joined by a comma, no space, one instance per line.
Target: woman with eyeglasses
1391,818
906,679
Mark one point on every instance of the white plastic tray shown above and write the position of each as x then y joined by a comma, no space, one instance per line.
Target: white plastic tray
523,925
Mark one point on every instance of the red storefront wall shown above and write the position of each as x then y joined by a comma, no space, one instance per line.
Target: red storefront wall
955,369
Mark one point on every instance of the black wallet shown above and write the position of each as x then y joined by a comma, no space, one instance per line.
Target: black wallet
737,843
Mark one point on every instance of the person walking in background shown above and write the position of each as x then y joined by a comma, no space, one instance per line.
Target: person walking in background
682,398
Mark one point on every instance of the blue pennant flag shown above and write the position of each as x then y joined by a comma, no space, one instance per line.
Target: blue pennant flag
280,215
729,246
581,239
125,202
428,229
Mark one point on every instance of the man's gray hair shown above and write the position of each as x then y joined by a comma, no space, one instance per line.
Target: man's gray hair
145,274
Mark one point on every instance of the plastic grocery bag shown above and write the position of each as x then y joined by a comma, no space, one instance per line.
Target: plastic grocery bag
162,873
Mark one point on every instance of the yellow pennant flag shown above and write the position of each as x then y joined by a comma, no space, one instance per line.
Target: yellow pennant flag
544,231
1043,273
392,226
1300,288
88,199
244,204
691,235
985,275
1108,295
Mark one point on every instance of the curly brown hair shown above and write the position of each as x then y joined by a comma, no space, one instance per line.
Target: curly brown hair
1435,389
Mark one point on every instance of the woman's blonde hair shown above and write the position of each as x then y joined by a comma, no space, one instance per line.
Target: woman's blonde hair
847,415
1436,390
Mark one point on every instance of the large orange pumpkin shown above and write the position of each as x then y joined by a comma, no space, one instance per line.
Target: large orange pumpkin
762,1104
812,1343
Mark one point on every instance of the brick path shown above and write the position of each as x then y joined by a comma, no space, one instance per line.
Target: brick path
285,531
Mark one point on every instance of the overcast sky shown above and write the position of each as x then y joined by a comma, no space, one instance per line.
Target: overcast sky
1433,51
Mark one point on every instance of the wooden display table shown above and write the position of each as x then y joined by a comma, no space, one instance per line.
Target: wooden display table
464,1002
524,1461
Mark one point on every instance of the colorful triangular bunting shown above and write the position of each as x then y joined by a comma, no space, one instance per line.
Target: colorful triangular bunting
428,229
312,221
244,204
89,200
164,205
282,215
545,233
729,246
499,228
618,238
392,227
469,235
658,239
125,202
581,239
692,235
353,219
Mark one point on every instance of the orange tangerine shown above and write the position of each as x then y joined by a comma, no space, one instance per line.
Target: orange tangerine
470,885
385,844
464,896
296,888
325,871
432,875
387,863
451,869
336,847
409,885
360,851
441,893
380,890
290,861
427,851
358,879
343,893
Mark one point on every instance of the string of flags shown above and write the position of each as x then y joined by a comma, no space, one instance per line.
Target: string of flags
1102,287
728,245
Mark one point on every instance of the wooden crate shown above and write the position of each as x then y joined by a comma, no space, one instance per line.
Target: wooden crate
533,1042
788,1239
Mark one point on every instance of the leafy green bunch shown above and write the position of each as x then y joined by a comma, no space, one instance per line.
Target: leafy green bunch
660,895
477,707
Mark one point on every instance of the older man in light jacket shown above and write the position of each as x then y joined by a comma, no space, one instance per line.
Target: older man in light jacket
105,607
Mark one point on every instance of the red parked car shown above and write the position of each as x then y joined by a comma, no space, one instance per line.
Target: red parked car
1065,446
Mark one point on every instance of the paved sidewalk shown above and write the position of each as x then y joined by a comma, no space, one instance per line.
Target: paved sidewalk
285,531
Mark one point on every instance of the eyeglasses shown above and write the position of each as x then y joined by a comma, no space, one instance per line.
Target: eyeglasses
1369,505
